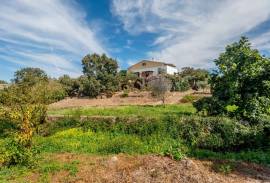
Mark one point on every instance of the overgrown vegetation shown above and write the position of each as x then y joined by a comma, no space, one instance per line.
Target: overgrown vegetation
241,85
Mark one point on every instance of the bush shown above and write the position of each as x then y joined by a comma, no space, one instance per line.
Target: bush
124,94
212,133
190,98
181,85
90,86
209,106
174,152
14,153
178,83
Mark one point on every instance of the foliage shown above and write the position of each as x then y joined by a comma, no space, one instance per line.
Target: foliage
203,84
224,167
100,70
3,82
209,106
195,77
15,152
213,133
242,80
54,91
30,76
24,105
126,80
174,152
190,98
178,83
159,87
89,86
70,85
124,94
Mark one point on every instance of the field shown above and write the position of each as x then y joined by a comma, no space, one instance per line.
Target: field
146,110
136,144
134,98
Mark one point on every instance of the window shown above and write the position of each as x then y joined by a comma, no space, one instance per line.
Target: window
143,64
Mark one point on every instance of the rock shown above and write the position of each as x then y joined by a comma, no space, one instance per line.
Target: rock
114,159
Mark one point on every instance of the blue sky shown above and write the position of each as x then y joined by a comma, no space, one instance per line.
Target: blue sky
55,34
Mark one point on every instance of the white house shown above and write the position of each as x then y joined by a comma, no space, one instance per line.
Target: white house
147,68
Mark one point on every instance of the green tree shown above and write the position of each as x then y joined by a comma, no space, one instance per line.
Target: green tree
179,83
89,86
3,82
241,84
194,76
24,106
159,87
30,76
102,70
71,85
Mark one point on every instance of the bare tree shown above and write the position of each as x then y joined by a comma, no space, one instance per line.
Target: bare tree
159,87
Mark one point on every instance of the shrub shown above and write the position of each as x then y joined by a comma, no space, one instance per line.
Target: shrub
213,133
209,106
14,152
178,83
190,98
124,94
89,86
224,167
174,152
54,91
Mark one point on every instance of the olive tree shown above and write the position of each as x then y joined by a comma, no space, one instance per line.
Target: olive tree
101,70
159,87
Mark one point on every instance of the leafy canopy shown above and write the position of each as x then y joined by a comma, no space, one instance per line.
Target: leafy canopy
30,76
101,71
241,84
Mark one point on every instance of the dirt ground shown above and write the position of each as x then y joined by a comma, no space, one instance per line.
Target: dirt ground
134,98
153,169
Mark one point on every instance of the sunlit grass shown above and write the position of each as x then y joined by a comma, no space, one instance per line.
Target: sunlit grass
153,111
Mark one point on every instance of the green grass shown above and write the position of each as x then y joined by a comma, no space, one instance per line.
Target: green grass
81,141
45,167
123,111
76,140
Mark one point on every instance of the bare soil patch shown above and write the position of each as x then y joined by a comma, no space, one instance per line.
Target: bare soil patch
149,168
134,98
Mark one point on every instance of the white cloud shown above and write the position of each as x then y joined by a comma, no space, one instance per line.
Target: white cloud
192,32
47,32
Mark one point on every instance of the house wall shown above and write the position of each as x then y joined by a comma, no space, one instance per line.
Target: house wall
171,70
166,68
154,69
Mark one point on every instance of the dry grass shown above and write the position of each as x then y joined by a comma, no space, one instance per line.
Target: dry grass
123,168
134,98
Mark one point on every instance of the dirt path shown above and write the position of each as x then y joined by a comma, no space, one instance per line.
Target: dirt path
134,98
156,169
